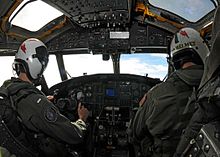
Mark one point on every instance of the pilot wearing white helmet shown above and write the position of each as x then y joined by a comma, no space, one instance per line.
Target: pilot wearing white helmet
45,131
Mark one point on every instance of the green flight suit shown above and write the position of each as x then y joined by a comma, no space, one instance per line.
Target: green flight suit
159,123
43,119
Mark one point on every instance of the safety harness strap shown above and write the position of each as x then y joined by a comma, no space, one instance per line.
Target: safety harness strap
8,141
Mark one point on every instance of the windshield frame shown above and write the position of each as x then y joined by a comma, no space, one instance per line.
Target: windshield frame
27,10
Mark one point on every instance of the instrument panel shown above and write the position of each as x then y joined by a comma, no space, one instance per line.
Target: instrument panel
111,100
119,90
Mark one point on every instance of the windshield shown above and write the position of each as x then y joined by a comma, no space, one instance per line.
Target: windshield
191,10
79,65
6,68
35,10
51,74
151,65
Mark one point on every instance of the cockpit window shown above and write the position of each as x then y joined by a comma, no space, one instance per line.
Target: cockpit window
51,73
41,12
6,69
151,65
191,10
82,64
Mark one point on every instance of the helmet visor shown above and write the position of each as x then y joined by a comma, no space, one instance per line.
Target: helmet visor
42,55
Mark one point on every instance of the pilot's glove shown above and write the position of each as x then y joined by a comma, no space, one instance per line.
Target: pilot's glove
83,112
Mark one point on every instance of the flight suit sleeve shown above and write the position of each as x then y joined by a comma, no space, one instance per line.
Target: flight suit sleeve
41,115
136,123
141,133
139,127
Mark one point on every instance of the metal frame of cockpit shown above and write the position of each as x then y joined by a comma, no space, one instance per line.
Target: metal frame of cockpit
11,36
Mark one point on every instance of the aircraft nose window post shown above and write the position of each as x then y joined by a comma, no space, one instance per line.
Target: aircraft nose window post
108,78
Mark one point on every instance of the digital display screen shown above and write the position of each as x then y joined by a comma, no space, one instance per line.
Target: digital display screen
110,92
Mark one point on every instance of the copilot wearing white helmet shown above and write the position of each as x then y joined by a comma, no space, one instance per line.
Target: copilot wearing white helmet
31,58
156,132
188,45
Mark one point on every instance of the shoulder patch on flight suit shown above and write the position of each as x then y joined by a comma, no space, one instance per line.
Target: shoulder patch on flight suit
50,114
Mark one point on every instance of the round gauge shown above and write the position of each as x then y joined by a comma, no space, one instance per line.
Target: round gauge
151,38
136,93
134,86
61,103
66,104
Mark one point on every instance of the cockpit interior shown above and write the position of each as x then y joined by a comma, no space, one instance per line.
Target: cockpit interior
110,29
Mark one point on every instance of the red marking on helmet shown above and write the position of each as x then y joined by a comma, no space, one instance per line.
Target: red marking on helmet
23,48
183,33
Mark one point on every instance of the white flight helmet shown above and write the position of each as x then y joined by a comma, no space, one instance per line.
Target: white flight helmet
32,55
188,43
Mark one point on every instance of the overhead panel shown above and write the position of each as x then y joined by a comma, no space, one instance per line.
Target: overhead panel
104,27
146,38
70,41
101,41
92,13
96,41
139,39
157,37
